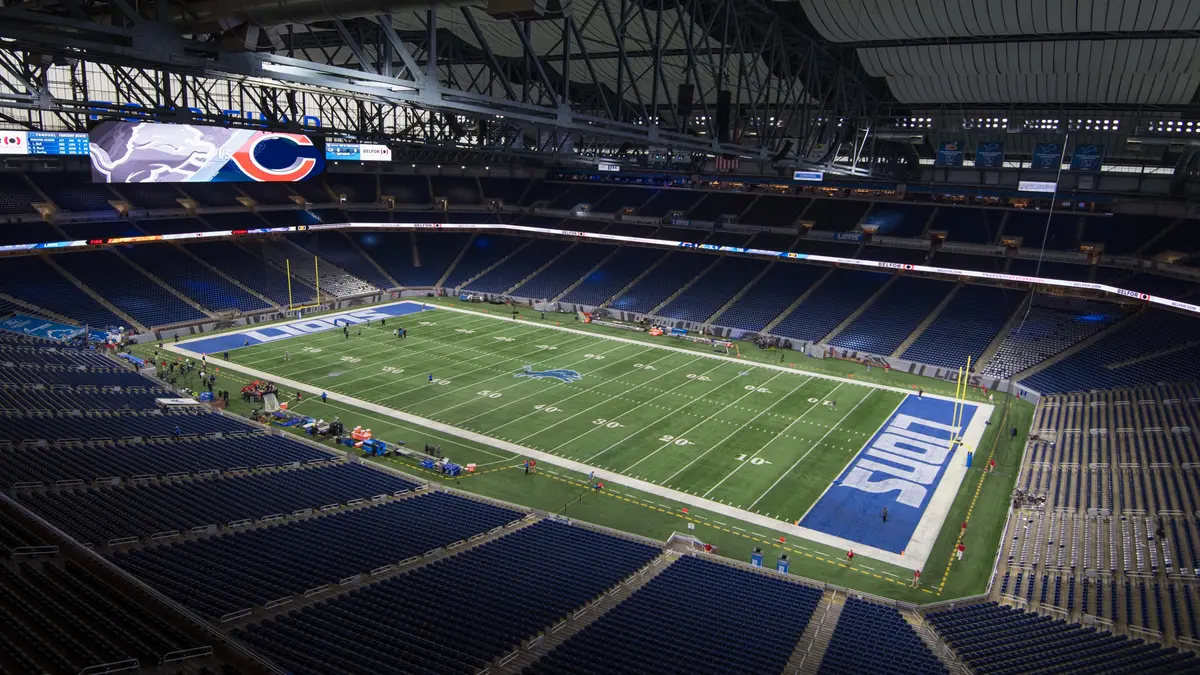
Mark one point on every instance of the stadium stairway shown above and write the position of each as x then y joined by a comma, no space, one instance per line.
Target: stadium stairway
489,268
1075,348
1013,321
375,263
383,573
297,280
740,294
167,287
810,650
539,270
93,294
228,278
935,643
454,263
861,308
716,262
912,337
553,636
621,291
796,303
585,275
337,281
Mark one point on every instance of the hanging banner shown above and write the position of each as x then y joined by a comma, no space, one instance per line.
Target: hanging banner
1087,158
1047,156
989,155
949,153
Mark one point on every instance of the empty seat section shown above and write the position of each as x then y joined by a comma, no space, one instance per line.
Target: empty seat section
775,210
962,261
212,194
1049,269
16,197
616,273
1052,325
830,248
27,233
1154,284
838,215
894,647
71,192
355,189
770,295
457,189
579,193
1031,226
691,618
507,190
435,252
622,198
186,456
717,204
516,268
171,226
337,249
100,514
665,201
251,271
714,289
33,280
481,253
911,256
564,271
194,279
218,575
104,229
830,303
473,607
1122,234
19,428
137,296
150,195
271,194
965,326
893,315
668,277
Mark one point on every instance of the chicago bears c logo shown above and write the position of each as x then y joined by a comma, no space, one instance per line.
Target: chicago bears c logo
246,158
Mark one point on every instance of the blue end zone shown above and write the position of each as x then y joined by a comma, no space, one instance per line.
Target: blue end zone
258,336
900,468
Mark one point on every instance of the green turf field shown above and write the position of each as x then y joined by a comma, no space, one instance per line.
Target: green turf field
744,435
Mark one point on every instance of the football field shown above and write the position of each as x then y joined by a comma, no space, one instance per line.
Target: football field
754,438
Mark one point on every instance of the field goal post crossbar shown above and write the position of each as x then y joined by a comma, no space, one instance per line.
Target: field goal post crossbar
297,311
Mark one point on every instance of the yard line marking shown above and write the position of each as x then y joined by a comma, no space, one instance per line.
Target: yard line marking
736,432
723,409
567,419
764,446
814,446
560,402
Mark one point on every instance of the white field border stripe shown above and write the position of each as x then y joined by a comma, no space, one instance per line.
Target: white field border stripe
719,357
773,439
697,425
814,447
736,432
910,561
609,400
559,402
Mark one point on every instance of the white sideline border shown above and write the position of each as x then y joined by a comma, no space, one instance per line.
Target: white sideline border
916,554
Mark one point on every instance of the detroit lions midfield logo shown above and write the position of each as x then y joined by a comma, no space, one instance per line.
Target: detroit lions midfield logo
561,374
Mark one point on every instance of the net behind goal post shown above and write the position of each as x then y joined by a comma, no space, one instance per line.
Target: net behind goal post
687,542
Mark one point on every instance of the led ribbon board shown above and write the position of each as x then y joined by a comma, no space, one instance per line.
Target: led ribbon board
758,252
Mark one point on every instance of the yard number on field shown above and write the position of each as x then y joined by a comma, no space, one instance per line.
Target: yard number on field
426,323
546,408
490,394
644,366
351,359
699,378
676,441
501,338
761,390
546,347
756,461
311,350
463,330
593,356
607,424
440,382
393,369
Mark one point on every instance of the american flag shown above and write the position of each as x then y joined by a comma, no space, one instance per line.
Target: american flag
726,163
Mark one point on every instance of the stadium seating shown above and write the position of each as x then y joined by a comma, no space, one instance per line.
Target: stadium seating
69,192
965,326
16,195
518,267
714,289
337,249
222,574
622,198
1122,234
149,195
405,189
1032,228
564,271
838,215
971,225
212,194
666,201
894,645
1157,346
482,252
830,303
771,295
101,514
996,639
670,275
103,229
773,210
457,190
892,316
898,220
716,204
85,427
507,190
616,273
137,296
692,619
1052,325
473,607
150,459
252,271
394,251
33,280
194,279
